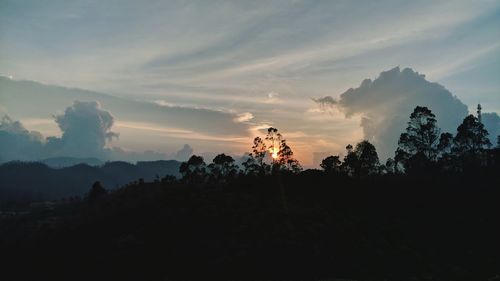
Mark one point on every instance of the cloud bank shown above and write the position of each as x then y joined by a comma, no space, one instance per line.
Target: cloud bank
143,125
85,128
384,106
86,133
491,122
17,143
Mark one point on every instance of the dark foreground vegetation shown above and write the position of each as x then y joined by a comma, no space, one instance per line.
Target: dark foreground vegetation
308,226
431,213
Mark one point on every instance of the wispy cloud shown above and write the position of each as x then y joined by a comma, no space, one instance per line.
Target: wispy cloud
235,57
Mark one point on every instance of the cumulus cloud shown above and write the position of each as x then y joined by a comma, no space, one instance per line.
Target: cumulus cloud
18,96
86,128
491,122
86,132
384,105
17,143
184,153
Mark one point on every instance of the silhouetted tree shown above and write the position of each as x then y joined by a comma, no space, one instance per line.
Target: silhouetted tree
421,137
274,139
194,170
361,161
96,193
368,158
445,143
471,141
331,164
168,179
259,151
445,146
350,161
278,151
251,166
223,167
285,158
471,137
255,164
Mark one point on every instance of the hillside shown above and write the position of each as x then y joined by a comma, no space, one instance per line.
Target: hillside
310,226
32,181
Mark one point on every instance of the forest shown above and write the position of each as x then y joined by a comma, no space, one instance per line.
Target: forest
430,212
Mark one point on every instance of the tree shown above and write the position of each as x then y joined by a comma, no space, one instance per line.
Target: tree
285,158
498,141
168,179
362,161
254,164
331,164
274,139
223,167
470,142
445,143
368,158
471,137
194,170
421,137
96,193
259,150
390,166
276,149
445,147
350,163
251,166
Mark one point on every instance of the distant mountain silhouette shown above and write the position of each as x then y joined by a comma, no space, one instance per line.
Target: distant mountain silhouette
61,162
37,181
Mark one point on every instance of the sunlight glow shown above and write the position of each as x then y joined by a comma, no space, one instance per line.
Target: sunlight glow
274,153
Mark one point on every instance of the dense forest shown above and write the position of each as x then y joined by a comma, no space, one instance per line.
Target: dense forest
428,213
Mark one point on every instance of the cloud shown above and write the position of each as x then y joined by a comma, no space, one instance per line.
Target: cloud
86,132
184,153
385,104
243,117
17,143
491,122
143,125
86,128
326,100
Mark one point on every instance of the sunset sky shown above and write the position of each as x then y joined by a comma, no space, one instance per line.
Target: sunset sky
244,65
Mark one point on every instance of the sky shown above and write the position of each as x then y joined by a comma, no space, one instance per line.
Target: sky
254,63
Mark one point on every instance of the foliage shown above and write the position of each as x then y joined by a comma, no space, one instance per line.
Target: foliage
223,168
96,193
471,137
421,138
362,161
285,158
331,164
276,152
194,170
336,228
356,219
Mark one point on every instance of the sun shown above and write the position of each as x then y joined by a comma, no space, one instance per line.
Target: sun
274,153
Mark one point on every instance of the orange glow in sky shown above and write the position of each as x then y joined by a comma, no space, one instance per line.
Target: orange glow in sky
274,153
